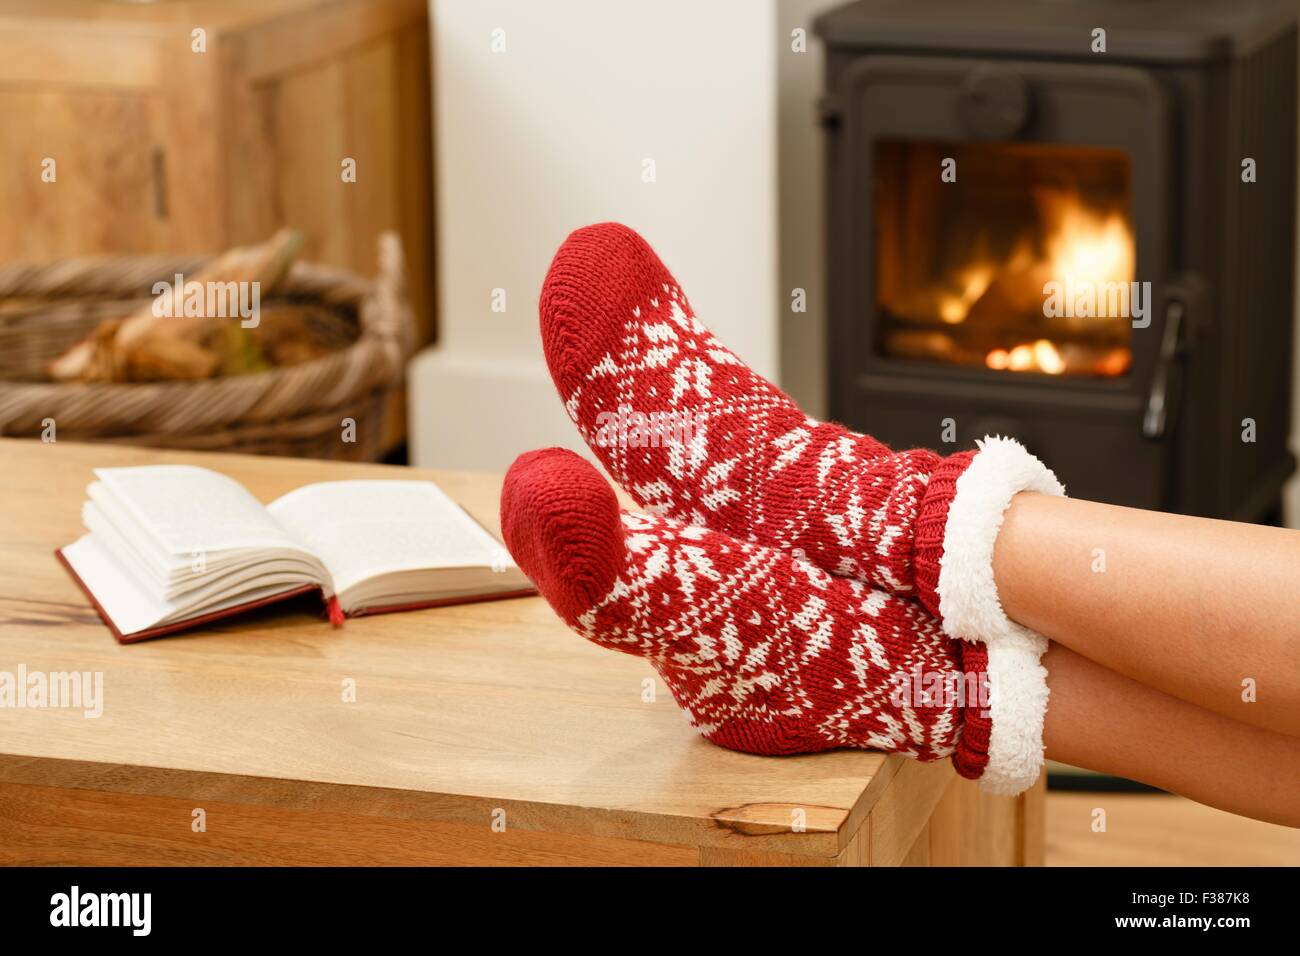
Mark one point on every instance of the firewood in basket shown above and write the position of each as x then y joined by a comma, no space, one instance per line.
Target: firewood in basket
75,363
144,345
170,359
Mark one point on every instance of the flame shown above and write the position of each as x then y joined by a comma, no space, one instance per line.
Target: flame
1115,362
1083,247
1087,247
1039,356
974,281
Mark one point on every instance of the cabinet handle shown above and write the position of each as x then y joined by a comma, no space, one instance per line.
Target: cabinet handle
159,162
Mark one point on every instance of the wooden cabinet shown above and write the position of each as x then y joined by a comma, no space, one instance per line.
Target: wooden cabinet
193,126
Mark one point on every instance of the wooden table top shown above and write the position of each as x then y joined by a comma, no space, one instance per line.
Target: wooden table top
458,711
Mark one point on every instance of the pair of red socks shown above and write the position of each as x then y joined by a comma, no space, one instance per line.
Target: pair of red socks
797,586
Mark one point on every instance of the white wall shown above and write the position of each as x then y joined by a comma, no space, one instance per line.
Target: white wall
801,205
550,135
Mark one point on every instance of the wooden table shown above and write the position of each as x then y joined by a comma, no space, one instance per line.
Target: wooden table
485,733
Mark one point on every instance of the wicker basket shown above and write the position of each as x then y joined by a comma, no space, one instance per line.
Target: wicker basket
296,410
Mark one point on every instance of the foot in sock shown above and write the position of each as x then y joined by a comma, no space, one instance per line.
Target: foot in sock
693,434
766,653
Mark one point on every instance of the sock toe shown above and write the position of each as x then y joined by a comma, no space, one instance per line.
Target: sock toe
598,277
560,519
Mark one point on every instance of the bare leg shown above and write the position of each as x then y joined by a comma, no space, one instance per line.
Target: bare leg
1104,721
1208,611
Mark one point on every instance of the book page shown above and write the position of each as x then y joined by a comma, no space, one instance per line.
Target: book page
366,528
128,604
189,510
133,608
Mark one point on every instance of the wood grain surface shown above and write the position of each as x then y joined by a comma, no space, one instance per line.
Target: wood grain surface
479,733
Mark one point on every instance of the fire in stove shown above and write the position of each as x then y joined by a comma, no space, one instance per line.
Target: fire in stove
1018,273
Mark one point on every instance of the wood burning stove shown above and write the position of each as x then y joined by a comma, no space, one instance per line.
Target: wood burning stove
1072,223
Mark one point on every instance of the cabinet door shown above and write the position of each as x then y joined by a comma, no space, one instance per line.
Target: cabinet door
328,114
78,156
77,174
124,109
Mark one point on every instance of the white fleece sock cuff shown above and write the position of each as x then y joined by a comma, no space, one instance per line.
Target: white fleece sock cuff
971,610
1017,705
968,597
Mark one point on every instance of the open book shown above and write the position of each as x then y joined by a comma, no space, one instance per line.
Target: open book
174,546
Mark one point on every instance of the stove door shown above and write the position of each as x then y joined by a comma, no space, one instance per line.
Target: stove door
998,262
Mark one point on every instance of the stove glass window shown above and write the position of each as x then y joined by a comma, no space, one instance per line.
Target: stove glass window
1013,257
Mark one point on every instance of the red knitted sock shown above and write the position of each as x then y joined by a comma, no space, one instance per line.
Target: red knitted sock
693,434
766,653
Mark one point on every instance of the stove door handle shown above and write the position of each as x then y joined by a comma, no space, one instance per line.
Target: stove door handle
1156,419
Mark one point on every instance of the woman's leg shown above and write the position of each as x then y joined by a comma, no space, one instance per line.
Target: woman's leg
1107,722
1208,611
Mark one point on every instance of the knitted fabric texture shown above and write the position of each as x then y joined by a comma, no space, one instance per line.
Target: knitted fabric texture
691,433
766,653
